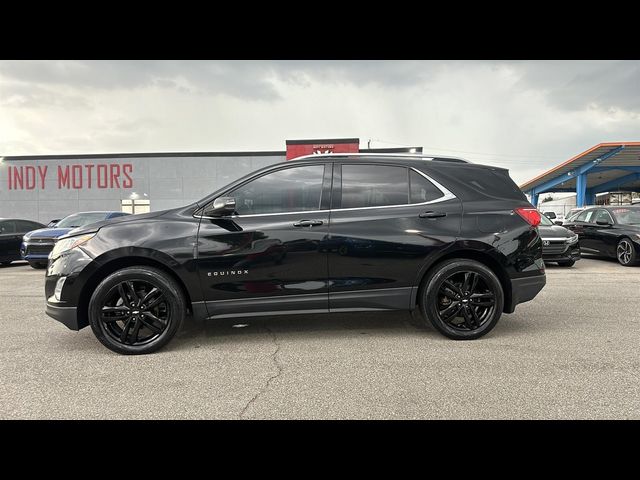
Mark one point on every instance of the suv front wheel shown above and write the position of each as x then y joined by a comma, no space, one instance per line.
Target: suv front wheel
463,299
136,310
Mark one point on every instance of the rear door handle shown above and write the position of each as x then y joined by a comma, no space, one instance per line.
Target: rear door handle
431,214
308,223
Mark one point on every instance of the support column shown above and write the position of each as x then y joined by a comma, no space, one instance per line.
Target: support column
534,198
581,189
590,197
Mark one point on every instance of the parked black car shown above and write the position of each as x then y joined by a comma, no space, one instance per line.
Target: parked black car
559,244
609,231
11,232
345,232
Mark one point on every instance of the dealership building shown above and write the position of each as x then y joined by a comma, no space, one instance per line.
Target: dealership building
47,187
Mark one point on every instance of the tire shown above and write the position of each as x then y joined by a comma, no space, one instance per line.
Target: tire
626,253
38,265
567,263
480,313
147,329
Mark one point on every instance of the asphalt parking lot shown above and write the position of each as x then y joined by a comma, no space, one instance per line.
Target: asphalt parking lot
570,353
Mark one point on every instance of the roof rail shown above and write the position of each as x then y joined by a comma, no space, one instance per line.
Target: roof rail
382,155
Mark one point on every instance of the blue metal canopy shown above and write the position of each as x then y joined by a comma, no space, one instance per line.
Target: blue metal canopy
606,167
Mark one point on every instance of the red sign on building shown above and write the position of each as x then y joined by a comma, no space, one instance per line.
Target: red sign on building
298,148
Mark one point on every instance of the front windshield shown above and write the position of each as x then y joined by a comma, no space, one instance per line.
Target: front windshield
545,221
627,216
80,219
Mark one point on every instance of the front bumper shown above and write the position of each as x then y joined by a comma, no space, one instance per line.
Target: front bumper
525,289
34,251
68,316
572,253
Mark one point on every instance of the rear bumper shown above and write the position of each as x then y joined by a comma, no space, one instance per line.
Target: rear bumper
525,289
68,316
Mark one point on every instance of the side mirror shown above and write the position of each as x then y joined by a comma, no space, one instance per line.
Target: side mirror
603,223
220,207
558,222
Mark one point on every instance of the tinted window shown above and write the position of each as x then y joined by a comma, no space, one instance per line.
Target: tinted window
545,221
585,216
603,216
24,226
81,219
7,227
627,216
374,186
422,190
494,183
291,190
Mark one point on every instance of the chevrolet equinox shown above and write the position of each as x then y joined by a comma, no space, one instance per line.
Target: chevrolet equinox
456,243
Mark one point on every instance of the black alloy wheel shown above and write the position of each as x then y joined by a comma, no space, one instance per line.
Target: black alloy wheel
463,299
136,310
626,253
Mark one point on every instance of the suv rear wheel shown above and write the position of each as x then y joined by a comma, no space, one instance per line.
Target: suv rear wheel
463,299
136,310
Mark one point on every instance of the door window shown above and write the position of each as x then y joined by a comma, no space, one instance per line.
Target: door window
7,227
295,189
585,216
422,190
603,216
374,186
24,226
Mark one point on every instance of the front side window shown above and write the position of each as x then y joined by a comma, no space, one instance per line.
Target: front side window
295,189
603,216
7,227
374,186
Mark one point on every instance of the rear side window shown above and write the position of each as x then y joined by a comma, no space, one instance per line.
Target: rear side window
494,183
374,186
24,226
585,216
421,189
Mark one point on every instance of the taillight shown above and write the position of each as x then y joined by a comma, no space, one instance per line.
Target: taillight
530,215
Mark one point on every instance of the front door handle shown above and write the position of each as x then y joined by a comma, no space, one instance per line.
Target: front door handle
431,214
308,223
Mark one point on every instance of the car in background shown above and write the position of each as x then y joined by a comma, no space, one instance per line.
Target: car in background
37,244
559,244
554,217
11,232
609,231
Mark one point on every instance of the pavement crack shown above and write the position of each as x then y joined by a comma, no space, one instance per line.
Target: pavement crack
276,363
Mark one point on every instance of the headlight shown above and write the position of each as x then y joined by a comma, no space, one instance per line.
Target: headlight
572,239
70,243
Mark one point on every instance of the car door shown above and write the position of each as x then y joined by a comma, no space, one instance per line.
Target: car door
603,238
9,241
582,227
268,256
385,221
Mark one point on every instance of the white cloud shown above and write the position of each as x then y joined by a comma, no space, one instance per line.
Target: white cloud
526,116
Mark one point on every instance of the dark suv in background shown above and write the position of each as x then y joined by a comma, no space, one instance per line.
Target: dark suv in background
454,241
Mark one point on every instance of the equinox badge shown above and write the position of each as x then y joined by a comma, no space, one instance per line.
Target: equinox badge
227,272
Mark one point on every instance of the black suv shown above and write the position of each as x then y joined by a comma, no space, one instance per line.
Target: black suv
325,233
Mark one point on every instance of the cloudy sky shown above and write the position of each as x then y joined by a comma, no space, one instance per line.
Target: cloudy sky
526,116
